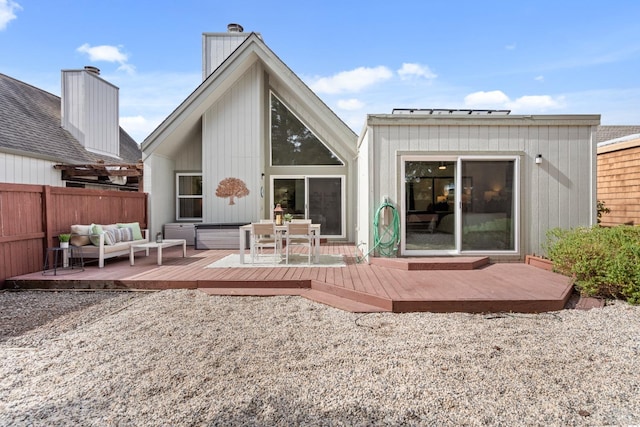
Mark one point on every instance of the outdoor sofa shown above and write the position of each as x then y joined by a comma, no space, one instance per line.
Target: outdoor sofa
107,241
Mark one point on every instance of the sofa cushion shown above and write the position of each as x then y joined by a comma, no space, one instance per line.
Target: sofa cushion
135,228
80,235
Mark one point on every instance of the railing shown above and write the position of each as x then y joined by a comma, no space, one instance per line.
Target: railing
32,216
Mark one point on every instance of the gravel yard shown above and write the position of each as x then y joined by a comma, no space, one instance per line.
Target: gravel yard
180,357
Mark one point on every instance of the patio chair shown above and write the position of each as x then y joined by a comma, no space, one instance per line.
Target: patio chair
299,234
264,235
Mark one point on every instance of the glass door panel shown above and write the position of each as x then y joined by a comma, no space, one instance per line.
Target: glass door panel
317,198
430,214
325,204
290,194
488,205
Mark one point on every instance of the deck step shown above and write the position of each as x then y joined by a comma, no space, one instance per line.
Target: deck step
434,263
345,304
254,292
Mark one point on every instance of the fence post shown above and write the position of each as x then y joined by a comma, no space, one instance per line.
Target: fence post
47,204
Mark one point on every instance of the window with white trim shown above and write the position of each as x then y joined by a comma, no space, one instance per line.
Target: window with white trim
189,196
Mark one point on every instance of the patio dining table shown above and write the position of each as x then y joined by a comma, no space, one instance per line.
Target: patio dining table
315,229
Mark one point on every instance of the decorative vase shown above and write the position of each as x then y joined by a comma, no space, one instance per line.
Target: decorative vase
64,245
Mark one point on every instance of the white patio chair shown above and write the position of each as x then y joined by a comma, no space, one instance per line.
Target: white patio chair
299,234
264,235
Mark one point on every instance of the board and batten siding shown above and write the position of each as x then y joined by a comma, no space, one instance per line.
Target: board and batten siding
232,148
16,169
216,47
90,111
560,192
619,182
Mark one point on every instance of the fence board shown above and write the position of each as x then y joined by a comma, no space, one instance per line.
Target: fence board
32,216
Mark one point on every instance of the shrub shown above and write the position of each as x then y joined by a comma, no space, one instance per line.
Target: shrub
603,262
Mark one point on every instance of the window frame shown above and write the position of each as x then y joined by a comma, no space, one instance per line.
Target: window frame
180,197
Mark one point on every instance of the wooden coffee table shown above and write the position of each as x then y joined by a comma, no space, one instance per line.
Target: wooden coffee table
166,243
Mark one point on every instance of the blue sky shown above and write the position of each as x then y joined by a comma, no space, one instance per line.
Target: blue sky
531,57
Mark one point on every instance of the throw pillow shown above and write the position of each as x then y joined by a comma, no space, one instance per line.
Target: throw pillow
135,228
80,235
126,234
110,237
96,231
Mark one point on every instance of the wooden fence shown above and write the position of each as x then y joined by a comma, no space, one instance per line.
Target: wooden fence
32,216
619,182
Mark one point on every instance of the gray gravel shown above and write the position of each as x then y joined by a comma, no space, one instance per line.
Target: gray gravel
183,358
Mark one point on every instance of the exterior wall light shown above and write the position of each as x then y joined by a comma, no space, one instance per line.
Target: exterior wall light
538,159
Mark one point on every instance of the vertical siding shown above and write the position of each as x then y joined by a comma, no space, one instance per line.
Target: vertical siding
90,111
556,193
231,148
364,193
619,185
217,47
189,159
27,170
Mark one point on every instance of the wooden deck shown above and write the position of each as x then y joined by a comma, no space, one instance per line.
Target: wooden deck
452,284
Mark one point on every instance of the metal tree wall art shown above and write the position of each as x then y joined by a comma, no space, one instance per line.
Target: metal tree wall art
232,188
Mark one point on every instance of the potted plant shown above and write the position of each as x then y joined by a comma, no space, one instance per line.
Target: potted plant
288,217
64,240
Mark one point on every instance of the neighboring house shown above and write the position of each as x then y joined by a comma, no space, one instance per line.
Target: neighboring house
476,181
73,140
251,136
619,174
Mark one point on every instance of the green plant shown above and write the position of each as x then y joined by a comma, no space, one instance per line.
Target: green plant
64,237
602,261
288,217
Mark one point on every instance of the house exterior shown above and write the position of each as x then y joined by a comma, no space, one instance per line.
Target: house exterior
476,182
619,174
73,140
251,136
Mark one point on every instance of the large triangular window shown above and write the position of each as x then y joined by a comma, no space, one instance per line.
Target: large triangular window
293,143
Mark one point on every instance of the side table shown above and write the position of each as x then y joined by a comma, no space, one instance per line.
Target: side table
57,259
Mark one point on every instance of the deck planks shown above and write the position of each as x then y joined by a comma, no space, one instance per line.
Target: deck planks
495,287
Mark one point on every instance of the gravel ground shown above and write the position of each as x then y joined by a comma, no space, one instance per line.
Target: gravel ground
183,358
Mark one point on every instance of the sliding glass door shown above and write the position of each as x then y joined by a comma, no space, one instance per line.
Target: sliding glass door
320,199
459,204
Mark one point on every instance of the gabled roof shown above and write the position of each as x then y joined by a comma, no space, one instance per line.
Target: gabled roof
185,119
30,125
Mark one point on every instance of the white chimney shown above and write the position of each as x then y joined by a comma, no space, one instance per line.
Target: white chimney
216,47
90,110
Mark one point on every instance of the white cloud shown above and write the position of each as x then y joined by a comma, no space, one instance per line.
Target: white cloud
351,81
8,9
495,99
108,53
525,104
350,104
511,46
536,103
539,78
410,70
146,99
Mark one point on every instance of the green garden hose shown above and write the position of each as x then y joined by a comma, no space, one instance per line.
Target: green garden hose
385,237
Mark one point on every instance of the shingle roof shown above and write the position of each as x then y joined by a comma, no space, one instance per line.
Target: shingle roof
30,123
607,133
